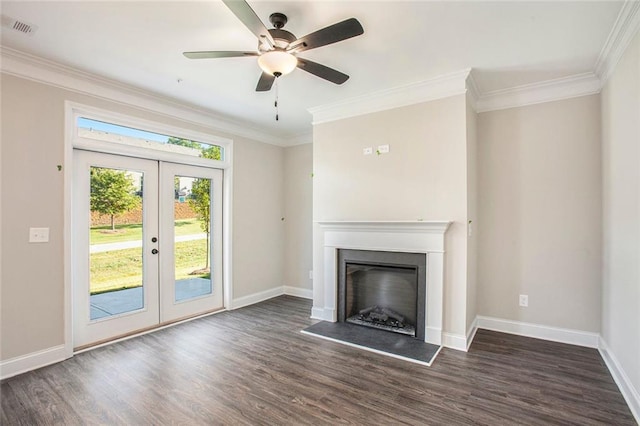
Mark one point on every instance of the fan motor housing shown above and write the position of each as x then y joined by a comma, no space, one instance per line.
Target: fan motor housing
282,38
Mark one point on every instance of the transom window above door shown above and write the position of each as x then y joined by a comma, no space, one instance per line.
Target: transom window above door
109,132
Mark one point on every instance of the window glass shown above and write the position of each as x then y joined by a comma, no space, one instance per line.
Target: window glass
108,132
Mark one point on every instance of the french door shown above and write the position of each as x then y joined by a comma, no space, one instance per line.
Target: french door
147,239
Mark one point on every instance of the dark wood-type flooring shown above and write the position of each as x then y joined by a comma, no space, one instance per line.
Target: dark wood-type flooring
253,366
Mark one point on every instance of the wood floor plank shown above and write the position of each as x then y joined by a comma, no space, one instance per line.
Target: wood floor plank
252,366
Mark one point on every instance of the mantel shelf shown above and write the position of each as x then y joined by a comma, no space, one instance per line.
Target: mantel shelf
438,226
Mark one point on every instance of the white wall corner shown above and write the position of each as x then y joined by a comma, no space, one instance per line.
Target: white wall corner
472,91
22,364
30,67
458,341
261,296
439,87
628,391
624,29
305,293
557,89
554,334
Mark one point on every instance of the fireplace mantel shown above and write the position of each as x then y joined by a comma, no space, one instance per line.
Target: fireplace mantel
389,225
400,236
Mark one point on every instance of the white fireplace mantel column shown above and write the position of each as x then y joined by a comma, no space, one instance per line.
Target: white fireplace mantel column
398,236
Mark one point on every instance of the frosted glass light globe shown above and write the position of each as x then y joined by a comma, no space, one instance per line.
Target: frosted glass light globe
277,61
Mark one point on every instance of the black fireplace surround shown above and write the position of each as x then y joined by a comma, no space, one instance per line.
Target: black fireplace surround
383,290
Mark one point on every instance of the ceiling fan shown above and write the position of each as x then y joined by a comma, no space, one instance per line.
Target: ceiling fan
278,49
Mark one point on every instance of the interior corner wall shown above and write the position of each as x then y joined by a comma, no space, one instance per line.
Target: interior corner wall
540,219
621,214
423,177
258,209
472,215
298,189
32,194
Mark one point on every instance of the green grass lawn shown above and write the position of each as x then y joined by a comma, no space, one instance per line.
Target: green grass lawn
133,232
120,269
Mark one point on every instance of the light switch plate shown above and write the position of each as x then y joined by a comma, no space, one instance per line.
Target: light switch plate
367,151
383,149
38,235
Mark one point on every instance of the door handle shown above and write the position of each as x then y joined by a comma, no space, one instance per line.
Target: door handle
154,251
154,240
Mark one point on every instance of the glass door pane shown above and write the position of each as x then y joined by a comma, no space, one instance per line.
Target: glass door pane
115,251
115,246
192,219
191,225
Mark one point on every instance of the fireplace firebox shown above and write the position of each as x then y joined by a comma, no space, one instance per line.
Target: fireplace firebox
383,290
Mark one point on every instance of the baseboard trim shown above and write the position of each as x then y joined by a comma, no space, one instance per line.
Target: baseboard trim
323,314
34,360
305,293
554,334
471,333
454,341
261,296
628,391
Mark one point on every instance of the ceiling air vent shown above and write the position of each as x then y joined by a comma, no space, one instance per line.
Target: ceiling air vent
16,25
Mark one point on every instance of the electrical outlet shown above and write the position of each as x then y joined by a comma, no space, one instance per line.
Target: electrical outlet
38,235
524,300
310,275
367,151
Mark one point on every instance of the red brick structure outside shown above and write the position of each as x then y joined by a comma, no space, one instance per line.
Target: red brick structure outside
182,211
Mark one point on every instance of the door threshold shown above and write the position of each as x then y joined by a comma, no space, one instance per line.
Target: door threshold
141,332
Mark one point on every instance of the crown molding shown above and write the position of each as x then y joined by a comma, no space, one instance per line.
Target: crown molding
30,67
473,93
546,91
409,94
624,29
299,139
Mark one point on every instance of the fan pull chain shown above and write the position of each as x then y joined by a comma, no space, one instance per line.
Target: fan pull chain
276,103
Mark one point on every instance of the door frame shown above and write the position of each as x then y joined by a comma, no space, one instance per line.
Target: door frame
73,110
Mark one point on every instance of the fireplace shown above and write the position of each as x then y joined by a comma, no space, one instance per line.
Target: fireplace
418,238
383,290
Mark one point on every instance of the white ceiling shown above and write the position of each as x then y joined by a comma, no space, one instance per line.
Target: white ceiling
507,43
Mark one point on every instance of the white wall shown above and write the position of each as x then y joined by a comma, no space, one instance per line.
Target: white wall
424,176
621,216
472,215
298,189
539,224
258,209
32,310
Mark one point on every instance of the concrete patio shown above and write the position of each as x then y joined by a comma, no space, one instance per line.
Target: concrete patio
121,301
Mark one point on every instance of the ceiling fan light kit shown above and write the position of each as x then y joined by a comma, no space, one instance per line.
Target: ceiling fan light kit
278,48
277,62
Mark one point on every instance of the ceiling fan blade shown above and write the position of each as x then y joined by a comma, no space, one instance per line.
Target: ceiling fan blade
244,13
328,35
217,54
322,71
265,82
